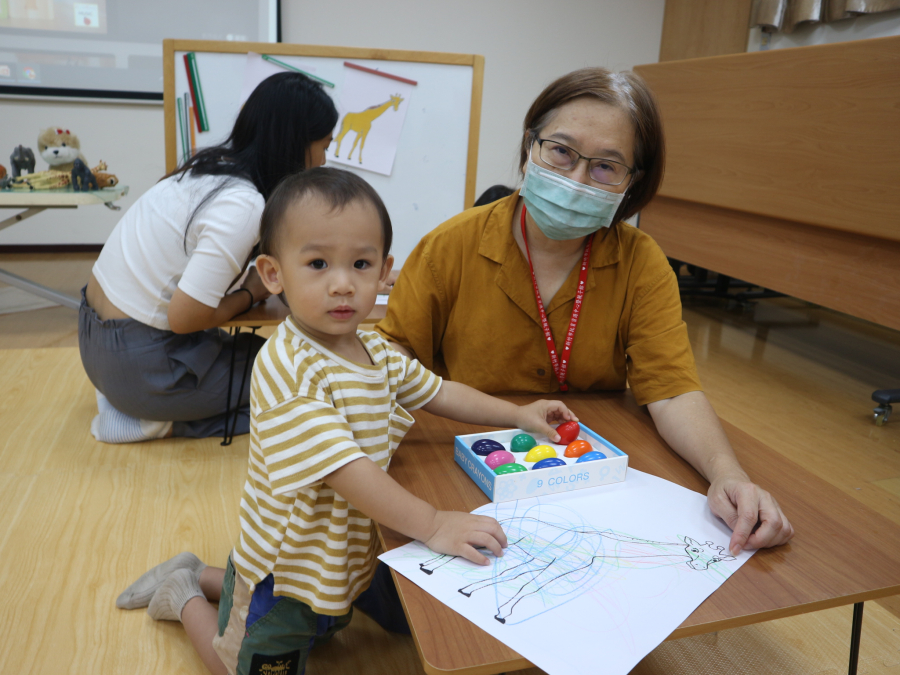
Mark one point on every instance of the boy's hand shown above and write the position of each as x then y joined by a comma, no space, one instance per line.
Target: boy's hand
459,534
538,416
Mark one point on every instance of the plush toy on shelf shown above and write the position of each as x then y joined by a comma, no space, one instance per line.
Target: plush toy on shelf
60,148
104,179
82,178
22,161
42,180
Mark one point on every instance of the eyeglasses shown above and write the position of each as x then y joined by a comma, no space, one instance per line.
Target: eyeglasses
605,171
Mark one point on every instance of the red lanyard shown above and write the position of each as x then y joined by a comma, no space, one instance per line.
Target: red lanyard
560,368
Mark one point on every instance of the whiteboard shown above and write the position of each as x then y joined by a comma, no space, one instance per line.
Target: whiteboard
433,175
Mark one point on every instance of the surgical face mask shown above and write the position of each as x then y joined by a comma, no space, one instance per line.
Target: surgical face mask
566,209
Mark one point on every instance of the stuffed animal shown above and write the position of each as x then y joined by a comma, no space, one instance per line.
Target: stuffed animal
104,179
82,178
60,148
4,179
22,158
42,180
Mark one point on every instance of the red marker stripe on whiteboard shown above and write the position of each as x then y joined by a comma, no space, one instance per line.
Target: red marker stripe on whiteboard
378,72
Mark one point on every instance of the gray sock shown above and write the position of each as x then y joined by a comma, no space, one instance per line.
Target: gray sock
141,591
173,595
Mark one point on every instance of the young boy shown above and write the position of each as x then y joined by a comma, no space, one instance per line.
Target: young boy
329,407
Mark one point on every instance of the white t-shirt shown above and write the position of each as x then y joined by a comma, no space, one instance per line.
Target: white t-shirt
147,255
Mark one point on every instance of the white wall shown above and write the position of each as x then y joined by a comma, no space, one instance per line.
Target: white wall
129,138
861,28
526,44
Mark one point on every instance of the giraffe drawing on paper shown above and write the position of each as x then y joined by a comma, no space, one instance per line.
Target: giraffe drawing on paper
361,122
547,564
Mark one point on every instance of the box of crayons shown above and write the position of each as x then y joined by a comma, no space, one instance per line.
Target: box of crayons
513,464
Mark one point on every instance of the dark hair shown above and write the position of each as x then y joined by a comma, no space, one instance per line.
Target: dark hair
271,136
626,91
336,186
492,194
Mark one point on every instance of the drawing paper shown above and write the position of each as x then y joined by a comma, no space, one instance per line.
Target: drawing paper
373,109
592,580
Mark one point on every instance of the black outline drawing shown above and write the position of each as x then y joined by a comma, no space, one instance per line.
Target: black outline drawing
570,557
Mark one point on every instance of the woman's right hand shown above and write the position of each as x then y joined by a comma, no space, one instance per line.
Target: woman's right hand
458,533
254,284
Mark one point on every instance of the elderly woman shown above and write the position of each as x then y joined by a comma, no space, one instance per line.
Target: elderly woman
493,297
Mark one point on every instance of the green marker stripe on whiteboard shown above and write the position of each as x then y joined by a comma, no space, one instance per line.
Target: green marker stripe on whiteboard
178,118
287,66
199,102
187,126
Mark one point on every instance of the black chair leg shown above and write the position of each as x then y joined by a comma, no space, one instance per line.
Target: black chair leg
243,382
884,398
855,635
226,440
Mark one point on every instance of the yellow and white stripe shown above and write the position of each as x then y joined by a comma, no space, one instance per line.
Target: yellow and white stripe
312,412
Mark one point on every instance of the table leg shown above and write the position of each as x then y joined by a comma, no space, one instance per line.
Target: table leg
19,217
225,438
37,289
855,634
253,330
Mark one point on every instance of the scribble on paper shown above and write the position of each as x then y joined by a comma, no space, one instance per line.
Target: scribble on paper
548,563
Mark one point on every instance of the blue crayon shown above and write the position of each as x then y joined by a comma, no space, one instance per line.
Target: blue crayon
549,462
590,457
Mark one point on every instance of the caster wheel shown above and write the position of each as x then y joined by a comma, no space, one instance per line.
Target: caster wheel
882,414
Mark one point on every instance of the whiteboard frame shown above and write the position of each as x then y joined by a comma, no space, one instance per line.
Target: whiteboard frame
170,47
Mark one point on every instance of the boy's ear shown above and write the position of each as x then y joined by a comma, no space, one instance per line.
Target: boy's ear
386,268
269,271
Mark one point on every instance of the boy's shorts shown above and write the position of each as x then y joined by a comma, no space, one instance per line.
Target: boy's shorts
263,634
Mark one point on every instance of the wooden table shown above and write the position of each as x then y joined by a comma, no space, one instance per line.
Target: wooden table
843,552
35,201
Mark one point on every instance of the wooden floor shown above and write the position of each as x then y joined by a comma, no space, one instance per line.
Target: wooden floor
80,519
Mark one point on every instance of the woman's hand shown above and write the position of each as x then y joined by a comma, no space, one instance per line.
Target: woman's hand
254,284
461,534
691,427
187,315
538,416
386,285
752,513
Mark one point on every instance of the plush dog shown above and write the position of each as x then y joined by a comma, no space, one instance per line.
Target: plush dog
60,148
82,178
104,179
22,158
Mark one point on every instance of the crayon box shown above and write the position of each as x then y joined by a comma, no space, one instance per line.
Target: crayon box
532,482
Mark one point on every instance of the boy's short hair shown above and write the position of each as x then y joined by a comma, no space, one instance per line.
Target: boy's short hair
336,186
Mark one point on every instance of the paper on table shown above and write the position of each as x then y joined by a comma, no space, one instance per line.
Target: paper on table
591,578
373,109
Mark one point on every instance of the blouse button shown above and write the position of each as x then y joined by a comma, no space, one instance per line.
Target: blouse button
540,372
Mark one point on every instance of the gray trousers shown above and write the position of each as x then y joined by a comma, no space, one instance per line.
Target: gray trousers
155,374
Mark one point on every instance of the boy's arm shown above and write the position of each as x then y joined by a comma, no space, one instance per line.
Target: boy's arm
381,498
464,404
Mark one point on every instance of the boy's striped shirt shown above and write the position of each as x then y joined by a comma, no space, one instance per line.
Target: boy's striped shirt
311,412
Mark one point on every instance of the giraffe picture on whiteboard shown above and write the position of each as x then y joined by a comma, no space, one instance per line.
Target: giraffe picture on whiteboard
373,109
361,123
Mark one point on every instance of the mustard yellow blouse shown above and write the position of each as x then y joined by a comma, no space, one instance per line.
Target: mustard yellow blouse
464,305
